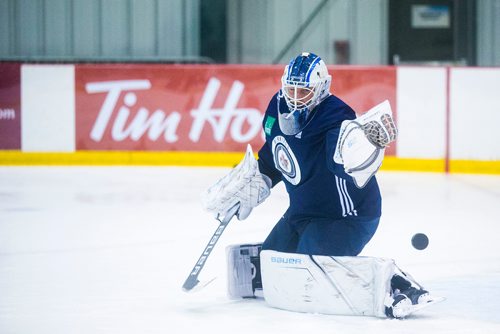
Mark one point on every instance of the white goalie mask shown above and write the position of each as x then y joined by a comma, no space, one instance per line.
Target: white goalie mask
304,84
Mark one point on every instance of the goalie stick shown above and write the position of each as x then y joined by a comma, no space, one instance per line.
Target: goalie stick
192,280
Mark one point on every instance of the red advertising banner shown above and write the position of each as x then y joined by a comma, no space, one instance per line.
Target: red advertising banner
196,107
10,106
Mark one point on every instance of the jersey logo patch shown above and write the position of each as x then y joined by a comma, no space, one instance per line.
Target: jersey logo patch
269,125
285,160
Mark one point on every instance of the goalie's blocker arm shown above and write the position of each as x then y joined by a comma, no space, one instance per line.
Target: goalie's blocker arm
245,185
361,143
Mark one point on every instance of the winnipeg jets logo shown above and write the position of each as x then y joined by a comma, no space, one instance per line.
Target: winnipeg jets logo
285,160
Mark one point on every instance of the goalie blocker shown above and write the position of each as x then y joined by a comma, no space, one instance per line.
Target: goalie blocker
344,285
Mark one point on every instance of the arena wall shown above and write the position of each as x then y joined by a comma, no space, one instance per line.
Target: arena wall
151,114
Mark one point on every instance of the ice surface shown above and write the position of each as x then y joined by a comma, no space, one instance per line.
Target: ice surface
106,250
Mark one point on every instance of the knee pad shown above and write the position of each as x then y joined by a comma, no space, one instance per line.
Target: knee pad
243,271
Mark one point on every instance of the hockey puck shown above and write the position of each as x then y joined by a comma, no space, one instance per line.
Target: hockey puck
420,241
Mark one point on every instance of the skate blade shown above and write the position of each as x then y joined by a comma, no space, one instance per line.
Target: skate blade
415,308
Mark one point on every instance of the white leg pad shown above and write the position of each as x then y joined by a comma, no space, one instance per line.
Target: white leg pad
346,285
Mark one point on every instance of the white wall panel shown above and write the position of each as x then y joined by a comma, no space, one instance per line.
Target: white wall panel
48,108
421,112
475,113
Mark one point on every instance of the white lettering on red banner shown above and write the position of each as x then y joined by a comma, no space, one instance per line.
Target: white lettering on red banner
158,122
207,114
154,125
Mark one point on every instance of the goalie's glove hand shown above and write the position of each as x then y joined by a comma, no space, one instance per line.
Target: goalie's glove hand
244,185
361,143
378,125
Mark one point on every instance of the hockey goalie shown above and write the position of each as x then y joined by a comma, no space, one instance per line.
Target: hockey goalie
327,158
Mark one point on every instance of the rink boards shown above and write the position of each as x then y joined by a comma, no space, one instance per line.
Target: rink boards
114,114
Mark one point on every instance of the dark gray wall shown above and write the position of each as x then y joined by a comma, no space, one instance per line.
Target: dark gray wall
256,30
488,33
102,29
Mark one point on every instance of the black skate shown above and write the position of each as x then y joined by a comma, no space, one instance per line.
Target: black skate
406,302
409,299
417,296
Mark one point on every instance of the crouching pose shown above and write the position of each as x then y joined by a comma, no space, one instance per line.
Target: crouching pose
327,159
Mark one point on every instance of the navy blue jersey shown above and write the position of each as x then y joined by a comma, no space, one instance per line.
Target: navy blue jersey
317,186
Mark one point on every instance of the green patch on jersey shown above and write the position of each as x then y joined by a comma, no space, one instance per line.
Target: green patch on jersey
269,125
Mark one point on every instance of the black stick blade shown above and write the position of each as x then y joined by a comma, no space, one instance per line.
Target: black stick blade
190,283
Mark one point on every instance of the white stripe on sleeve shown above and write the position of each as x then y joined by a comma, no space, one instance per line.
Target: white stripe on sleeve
341,196
349,198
